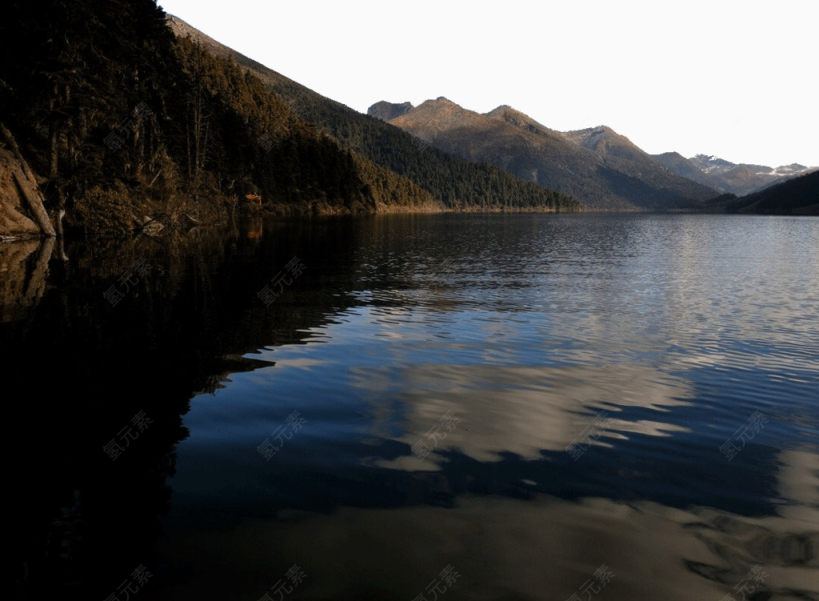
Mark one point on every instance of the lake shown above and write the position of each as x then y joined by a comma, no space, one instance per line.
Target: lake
418,408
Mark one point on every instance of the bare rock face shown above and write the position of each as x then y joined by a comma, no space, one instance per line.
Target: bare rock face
22,214
14,220
387,111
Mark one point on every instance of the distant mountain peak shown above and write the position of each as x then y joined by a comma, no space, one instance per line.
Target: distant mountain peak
511,115
710,159
602,138
440,101
792,167
725,176
502,109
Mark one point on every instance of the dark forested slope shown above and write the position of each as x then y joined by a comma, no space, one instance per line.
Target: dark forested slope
120,121
798,196
456,182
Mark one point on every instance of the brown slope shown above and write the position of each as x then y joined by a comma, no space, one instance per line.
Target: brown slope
600,168
516,144
621,154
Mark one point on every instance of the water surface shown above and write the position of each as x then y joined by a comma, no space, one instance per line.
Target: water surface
622,407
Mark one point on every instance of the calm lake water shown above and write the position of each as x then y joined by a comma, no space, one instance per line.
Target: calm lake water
419,408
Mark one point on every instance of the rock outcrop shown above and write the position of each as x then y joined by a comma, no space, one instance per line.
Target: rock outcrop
22,214
386,111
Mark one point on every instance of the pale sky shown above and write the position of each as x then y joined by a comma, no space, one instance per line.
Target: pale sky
737,79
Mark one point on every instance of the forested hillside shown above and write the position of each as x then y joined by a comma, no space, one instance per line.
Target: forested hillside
121,122
797,196
458,183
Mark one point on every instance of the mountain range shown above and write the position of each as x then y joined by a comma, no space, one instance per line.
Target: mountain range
599,166
728,177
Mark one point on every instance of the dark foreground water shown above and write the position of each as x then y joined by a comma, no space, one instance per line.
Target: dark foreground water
418,408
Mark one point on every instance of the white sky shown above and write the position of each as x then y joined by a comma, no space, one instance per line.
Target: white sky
738,79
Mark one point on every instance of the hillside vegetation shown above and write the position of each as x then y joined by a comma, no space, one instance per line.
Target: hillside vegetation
122,122
797,196
458,183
